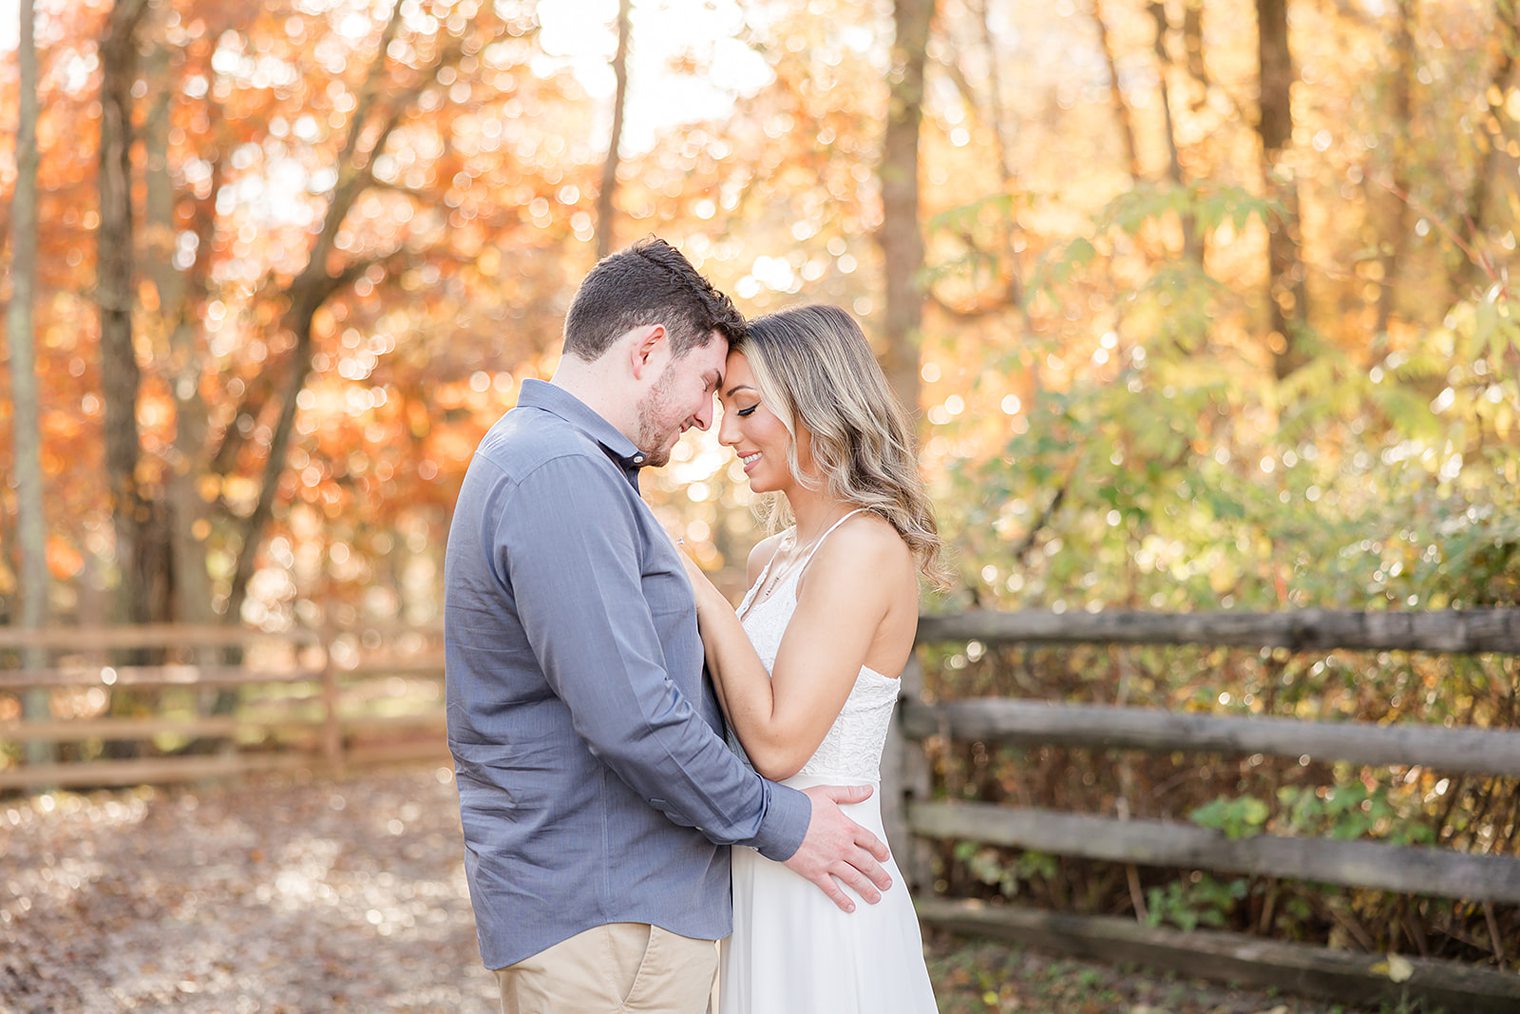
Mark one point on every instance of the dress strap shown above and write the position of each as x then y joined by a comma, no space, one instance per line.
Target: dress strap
818,543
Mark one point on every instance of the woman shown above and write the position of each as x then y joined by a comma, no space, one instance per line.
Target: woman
807,669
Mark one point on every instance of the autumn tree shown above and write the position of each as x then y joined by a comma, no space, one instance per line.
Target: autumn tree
1123,116
901,240
1287,292
1191,244
26,432
213,481
1498,152
1396,196
139,522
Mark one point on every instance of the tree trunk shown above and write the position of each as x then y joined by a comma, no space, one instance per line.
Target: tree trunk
1287,298
181,290
902,243
1122,111
1402,120
606,210
1191,248
26,428
300,319
1192,40
1008,176
1476,268
135,515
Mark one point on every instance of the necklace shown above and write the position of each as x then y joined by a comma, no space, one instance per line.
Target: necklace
784,569
802,552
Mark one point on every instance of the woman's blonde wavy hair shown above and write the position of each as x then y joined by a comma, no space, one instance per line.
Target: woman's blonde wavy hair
815,368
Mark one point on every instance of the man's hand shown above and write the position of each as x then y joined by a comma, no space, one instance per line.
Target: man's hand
837,847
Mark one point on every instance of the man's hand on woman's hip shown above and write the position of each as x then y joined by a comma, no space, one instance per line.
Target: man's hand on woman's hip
836,849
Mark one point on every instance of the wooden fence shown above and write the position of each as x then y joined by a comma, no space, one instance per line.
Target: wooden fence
307,699
336,699
914,816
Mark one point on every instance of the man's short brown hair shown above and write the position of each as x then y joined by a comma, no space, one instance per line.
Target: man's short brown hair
648,283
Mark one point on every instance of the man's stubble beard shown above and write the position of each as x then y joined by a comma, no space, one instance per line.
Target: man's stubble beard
654,432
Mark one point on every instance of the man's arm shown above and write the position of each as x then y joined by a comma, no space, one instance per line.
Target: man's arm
568,541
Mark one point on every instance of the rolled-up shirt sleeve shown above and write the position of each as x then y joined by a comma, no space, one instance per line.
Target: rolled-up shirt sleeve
568,543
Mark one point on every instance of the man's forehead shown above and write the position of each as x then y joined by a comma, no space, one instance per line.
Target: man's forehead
715,354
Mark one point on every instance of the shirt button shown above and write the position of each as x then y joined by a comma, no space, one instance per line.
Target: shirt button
638,459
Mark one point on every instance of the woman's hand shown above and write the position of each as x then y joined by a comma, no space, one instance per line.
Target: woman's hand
700,584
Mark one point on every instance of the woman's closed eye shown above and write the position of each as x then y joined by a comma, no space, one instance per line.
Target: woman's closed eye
746,411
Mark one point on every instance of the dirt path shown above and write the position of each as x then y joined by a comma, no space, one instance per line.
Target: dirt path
313,895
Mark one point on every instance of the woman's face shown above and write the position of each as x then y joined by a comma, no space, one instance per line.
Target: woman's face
753,430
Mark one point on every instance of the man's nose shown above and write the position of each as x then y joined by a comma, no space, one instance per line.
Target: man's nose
703,418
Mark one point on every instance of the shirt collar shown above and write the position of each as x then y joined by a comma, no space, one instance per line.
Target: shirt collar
558,401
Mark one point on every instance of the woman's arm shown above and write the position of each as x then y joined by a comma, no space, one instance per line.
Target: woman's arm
781,718
702,587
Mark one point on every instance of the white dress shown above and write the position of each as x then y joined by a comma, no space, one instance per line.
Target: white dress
792,950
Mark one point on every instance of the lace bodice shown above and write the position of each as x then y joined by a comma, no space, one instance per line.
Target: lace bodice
852,748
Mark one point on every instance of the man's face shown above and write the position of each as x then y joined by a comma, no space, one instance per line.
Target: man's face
682,397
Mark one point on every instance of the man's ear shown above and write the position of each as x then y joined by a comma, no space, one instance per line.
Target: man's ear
645,352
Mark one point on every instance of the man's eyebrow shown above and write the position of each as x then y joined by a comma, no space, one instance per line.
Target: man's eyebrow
736,389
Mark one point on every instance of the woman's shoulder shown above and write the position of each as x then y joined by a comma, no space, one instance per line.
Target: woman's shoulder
865,545
761,555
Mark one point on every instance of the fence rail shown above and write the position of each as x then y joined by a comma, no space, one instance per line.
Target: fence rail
1036,723
914,817
1402,868
321,720
1447,631
149,635
1361,979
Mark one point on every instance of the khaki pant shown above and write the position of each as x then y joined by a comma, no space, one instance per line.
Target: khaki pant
623,966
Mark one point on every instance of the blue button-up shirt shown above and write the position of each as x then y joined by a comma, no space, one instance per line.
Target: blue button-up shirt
594,782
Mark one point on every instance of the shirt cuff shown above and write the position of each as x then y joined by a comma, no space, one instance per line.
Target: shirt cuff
785,823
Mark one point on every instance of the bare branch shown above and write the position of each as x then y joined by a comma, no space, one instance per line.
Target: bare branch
350,180
606,209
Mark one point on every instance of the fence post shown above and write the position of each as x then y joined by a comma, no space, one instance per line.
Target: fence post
332,729
905,777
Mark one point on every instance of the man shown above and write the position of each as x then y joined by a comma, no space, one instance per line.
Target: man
596,792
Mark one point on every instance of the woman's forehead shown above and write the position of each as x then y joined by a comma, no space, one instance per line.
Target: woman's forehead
736,367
